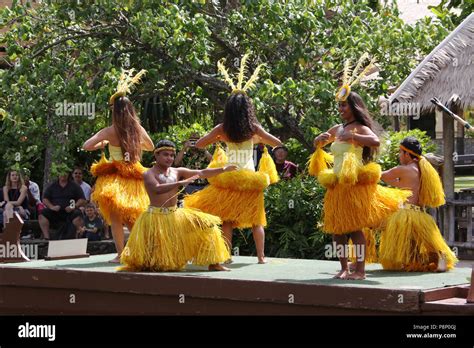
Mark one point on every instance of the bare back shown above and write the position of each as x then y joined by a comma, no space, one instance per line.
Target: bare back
411,181
112,136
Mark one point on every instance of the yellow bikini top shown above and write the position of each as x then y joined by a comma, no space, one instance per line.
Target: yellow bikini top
338,149
115,153
241,154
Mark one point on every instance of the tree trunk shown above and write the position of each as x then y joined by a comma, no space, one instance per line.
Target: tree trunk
56,140
48,156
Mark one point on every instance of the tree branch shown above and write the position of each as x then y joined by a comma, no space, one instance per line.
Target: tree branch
64,39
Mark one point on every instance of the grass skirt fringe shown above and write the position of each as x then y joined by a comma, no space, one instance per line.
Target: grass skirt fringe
233,196
165,239
351,207
412,242
119,188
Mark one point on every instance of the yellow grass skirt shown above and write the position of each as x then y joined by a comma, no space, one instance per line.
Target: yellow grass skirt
234,196
350,207
165,239
410,240
119,188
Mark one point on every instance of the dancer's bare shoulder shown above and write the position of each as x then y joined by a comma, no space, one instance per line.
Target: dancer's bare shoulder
262,136
149,177
218,132
110,134
361,129
334,129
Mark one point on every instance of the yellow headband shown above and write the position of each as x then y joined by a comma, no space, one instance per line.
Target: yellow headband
163,148
410,151
349,80
240,77
126,82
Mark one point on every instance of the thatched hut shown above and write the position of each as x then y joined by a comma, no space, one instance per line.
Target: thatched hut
447,71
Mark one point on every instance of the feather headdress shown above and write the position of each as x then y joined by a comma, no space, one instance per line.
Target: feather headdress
240,87
126,82
349,80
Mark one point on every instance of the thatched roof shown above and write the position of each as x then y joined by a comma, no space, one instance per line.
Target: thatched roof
447,70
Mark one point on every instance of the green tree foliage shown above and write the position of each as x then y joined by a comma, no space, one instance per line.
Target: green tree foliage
453,11
294,209
74,52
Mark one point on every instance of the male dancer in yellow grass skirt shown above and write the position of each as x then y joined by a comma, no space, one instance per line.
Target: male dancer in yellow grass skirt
166,238
411,240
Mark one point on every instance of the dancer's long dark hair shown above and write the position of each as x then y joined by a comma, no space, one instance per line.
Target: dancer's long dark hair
127,126
362,115
240,122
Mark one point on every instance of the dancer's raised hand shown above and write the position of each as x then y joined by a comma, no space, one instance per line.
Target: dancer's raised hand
322,138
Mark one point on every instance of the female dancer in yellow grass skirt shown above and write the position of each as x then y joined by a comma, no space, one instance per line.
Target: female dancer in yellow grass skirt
353,201
411,240
237,197
166,238
119,189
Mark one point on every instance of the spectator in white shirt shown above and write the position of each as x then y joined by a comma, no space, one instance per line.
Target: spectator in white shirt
77,176
32,186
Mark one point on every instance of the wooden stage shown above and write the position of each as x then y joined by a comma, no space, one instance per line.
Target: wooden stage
281,287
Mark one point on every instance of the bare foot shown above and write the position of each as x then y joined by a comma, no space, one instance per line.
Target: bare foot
261,260
228,261
116,259
342,274
356,276
218,267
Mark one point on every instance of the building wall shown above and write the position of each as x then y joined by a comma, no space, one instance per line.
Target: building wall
468,145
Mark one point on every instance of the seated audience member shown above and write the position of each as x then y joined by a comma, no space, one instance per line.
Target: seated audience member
77,175
2,206
286,169
15,196
93,224
62,199
33,193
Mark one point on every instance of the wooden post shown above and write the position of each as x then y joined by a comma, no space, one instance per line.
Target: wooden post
448,176
469,225
396,123
10,241
470,295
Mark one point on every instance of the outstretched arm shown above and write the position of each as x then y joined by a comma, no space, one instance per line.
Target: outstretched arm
147,143
155,186
97,141
267,138
210,138
205,173
392,176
